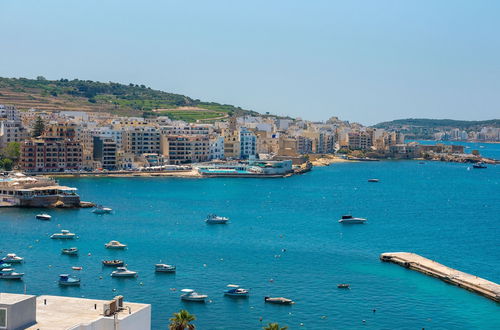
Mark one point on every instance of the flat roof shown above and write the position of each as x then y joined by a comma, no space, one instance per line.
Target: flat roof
12,298
52,188
66,312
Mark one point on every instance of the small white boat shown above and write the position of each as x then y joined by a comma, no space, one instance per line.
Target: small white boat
343,286
67,280
479,165
123,272
10,274
215,219
102,210
4,265
191,295
235,291
348,219
373,180
115,245
77,267
64,234
279,300
70,251
164,268
43,216
12,258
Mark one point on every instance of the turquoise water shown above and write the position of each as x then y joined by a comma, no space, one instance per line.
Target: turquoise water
489,150
443,211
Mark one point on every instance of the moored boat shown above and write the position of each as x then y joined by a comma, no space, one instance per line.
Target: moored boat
68,280
10,274
123,272
77,268
373,180
343,286
113,263
235,291
215,219
102,210
479,165
12,258
164,268
191,295
43,216
4,265
70,251
279,300
115,245
64,234
348,219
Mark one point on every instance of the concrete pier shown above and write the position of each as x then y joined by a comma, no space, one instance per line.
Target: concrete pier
426,266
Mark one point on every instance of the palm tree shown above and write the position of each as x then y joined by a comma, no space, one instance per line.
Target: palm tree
181,321
274,326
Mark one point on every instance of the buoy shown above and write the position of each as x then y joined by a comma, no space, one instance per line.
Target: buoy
114,290
89,254
141,283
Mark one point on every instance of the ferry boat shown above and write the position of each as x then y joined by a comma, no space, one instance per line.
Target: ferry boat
279,300
123,272
12,258
115,245
235,291
113,263
348,219
191,295
10,274
102,210
67,280
215,219
70,251
43,216
479,165
64,234
164,268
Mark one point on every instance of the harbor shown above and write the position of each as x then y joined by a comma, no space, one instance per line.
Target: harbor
432,268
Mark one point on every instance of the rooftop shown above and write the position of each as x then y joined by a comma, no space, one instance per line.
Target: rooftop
12,298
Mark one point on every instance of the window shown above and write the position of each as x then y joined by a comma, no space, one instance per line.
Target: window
3,318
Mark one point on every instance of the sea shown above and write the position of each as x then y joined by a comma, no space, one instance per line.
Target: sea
283,240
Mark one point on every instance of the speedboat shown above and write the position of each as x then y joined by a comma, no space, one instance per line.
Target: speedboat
10,274
12,258
43,216
64,234
164,268
77,267
350,219
71,251
4,265
373,180
279,300
479,165
113,263
215,219
115,245
123,272
235,291
67,280
191,295
343,286
102,210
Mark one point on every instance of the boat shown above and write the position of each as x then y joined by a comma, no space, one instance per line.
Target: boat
67,280
113,263
235,291
123,272
479,165
102,210
77,268
279,300
64,234
347,219
191,295
115,245
12,258
164,268
70,251
215,219
4,265
343,286
373,180
43,216
10,274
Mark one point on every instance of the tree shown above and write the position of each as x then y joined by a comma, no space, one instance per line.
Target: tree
274,326
12,150
39,127
182,321
6,164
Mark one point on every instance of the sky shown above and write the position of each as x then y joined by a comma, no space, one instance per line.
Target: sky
365,61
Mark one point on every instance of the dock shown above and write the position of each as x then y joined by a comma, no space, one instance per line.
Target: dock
429,267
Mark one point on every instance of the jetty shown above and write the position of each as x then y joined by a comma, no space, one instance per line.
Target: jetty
429,267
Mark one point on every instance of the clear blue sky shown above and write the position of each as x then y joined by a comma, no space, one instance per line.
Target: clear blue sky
365,61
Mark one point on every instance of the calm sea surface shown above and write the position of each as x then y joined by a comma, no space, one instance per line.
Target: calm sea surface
283,240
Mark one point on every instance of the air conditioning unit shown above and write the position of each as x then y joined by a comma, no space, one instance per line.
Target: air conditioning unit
110,308
119,301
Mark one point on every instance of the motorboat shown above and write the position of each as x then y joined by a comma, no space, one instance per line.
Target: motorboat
373,180
64,234
164,268
479,165
70,251
43,216
123,272
343,286
77,267
113,263
279,300
102,210
4,265
12,258
234,290
215,219
68,280
115,245
347,219
10,274
191,295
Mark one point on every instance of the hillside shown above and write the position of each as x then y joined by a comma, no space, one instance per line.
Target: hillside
120,99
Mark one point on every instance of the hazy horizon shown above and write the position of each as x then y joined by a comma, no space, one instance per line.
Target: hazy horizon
364,62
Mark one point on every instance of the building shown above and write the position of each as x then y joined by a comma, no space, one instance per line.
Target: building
104,151
183,149
359,140
18,311
248,143
232,145
50,154
11,128
140,140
